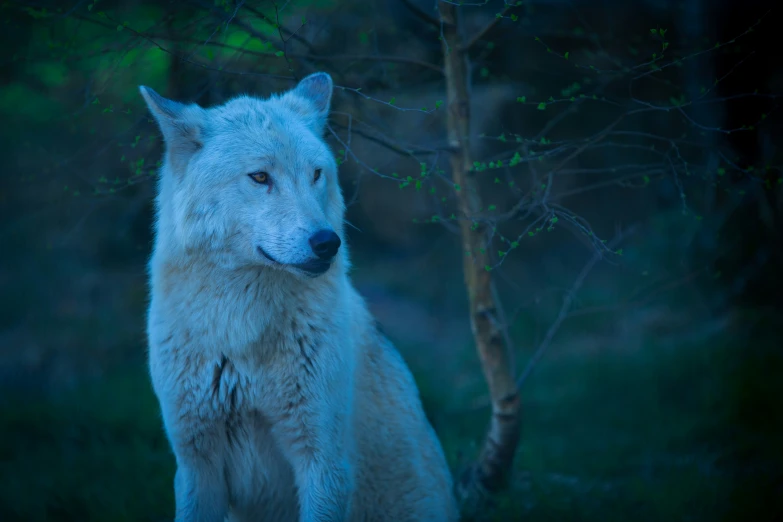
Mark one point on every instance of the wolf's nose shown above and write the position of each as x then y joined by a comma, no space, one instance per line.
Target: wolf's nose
325,244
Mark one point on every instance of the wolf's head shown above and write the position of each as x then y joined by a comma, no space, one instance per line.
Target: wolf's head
251,182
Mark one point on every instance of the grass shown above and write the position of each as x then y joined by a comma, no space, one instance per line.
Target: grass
667,432
98,453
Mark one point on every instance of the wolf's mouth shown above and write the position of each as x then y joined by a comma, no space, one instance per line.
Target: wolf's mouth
313,267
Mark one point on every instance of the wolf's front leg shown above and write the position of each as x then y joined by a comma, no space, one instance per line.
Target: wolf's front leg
200,492
317,444
325,484
200,485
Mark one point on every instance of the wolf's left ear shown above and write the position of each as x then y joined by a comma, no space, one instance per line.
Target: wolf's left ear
311,99
181,125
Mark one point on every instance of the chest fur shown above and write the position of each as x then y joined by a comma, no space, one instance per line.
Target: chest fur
289,369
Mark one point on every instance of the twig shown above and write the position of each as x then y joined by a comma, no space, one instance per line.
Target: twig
386,143
486,29
566,307
291,34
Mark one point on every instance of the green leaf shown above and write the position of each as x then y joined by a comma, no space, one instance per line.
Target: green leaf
566,55
279,54
542,106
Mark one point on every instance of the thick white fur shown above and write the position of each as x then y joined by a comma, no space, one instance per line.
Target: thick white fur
280,398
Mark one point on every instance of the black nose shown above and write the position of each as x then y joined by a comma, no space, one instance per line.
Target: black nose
325,244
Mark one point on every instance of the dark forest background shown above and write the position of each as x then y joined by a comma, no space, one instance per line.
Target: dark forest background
640,286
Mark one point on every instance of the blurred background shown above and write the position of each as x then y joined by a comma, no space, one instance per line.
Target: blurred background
629,161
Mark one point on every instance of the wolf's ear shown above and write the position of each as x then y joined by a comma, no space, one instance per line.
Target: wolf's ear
311,99
181,125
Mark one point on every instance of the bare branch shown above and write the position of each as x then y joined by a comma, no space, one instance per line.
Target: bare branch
565,308
421,15
314,57
371,58
385,142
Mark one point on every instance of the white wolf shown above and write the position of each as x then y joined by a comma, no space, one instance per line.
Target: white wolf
280,398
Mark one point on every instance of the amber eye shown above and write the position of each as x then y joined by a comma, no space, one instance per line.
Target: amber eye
260,177
317,175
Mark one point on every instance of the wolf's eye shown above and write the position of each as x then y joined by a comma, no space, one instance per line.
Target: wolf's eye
317,175
260,177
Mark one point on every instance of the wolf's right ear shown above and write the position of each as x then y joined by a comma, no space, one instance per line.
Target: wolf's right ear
181,125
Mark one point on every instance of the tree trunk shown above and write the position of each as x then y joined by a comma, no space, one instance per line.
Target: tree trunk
487,474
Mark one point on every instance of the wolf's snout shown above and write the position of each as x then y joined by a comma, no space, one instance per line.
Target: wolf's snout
325,244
